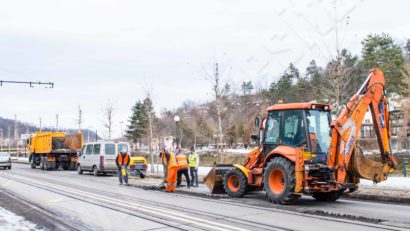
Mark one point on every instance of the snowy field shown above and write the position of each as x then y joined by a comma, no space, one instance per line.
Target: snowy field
11,221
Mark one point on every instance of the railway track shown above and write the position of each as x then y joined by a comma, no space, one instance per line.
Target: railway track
174,216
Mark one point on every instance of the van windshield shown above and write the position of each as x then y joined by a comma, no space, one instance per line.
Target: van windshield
109,149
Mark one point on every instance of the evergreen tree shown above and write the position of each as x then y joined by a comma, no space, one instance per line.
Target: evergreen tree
379,50
138,123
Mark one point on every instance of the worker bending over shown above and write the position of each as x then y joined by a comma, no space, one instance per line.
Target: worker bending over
172,173
193,167
164,155
182,167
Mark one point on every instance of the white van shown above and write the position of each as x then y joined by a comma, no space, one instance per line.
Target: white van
99,157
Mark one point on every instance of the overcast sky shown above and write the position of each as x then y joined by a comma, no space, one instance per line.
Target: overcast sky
99,51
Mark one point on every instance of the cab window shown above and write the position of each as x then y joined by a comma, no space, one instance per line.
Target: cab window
96,149
109,149
89,149
294,133
272,128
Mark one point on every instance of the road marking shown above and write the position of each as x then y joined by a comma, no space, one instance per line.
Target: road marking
172,214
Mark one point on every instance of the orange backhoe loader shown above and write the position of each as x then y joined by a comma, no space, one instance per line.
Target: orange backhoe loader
302,151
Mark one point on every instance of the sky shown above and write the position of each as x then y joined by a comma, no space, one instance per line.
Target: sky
100,52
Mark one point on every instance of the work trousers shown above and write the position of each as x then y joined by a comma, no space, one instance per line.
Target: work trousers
185,172
120,176
172,179
194,176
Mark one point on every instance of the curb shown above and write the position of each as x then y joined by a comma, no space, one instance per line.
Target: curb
377,198
348,196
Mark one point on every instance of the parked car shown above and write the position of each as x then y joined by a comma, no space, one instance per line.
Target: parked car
98,158
138,166
5,160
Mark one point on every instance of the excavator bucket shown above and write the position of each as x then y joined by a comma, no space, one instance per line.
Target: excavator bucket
362,167
214,179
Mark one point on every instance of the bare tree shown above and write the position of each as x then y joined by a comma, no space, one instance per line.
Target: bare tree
108,114
219,89
149,111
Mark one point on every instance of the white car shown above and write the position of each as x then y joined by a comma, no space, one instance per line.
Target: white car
99,157
5,160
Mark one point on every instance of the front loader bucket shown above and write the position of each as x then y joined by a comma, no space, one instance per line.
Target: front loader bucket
214,179
362,167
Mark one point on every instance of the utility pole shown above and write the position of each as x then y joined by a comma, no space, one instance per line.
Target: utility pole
15,132
8,137
1,138
121,128
57,123
41,128
80,118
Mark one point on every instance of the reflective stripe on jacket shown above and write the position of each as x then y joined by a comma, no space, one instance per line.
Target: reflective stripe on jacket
192,160
182,161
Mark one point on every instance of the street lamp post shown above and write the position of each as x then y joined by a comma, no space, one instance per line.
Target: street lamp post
176,119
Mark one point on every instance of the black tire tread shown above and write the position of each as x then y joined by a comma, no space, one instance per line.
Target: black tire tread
243,183
290,197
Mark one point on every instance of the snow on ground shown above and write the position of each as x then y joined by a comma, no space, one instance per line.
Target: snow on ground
11,221
391,182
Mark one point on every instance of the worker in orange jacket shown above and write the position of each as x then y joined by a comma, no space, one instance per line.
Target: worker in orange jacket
122,161
182,162
172,173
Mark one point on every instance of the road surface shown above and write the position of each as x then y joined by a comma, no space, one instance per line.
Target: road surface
86,202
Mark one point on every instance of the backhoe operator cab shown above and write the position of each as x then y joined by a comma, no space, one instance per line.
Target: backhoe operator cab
303,125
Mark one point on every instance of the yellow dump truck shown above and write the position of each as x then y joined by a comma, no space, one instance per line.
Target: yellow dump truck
51,150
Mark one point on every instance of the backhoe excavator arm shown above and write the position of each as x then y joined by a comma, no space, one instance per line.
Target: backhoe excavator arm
343,155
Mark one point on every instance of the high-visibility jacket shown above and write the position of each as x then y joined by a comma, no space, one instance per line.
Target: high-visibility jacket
172,162
192,159
182,161
122,159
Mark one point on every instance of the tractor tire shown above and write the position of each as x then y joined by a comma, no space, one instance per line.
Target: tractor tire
33,165
279,181
329,196
79,169
235,183
95,171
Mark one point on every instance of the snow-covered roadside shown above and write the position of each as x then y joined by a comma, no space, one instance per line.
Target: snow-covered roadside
391,182
12,221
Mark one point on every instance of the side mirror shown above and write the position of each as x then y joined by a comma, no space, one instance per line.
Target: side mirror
257,121
255,138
